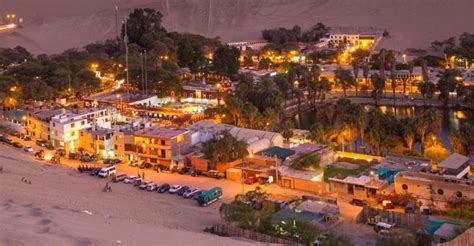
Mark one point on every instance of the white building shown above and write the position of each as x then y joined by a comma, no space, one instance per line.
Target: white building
65,126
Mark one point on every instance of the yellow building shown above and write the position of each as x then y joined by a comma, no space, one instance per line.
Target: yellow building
161,145
97,141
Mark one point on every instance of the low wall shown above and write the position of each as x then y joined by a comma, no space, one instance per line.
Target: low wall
406,220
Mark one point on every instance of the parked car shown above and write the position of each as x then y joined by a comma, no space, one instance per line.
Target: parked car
49,146
118,177
358,202
174,189
17,145
107,171
9,141
26,138
2,138
61,152
112,161
190,192
251,180
164,188
28,149
216,174
151,187
145,165
197,194
161,168
41,143
184,170
143,185
181,190
130,179
95,171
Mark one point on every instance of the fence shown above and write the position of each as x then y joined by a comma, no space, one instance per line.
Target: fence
408,220
232,231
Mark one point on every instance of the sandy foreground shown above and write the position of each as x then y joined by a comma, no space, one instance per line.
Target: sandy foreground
51,26
64,207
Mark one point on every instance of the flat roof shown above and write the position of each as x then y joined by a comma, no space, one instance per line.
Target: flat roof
454,161
446,230
161,132
120,95
300,174
308,148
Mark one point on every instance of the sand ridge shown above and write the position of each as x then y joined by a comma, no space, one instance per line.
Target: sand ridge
52,26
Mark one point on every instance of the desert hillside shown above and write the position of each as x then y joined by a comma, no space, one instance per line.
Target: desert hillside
51,26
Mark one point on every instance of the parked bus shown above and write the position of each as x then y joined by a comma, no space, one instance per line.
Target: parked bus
210,196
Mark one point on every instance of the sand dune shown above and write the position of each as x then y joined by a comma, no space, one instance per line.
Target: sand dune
54,25
63,207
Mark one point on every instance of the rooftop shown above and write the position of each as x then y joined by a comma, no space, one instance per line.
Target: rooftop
454,161
400,162
119,95
282,153
161,132
308,148
209,126
446,230
309,175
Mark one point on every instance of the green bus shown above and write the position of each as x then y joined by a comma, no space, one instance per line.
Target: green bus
210,196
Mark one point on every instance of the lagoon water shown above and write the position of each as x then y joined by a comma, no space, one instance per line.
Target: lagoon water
451,119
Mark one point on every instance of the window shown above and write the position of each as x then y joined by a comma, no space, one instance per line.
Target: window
459,194
163,142
440,192
153,152
54,124
163,153
73,133
72,125
404,187
115,147
83,123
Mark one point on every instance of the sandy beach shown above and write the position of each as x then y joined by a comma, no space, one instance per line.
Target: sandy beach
64,207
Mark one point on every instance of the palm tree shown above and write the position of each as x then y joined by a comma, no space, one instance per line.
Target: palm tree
408,131
393,79
366,71
356,67
427,90
429,121
378,83
344,79
323,88
410,72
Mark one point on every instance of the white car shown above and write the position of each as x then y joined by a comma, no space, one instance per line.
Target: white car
143,185
174,189
151,186
130,179
190,192
28,149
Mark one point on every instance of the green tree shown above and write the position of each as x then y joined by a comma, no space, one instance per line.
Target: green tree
378,84
224,148
286,129
226,61
298,230
239,213
447,83
462,140
144,27
305,161
344,79
189,54
427,90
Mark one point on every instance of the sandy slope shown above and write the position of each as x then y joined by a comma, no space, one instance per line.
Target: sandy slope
54,25
50,211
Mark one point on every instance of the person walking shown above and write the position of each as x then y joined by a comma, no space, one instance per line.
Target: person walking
143,175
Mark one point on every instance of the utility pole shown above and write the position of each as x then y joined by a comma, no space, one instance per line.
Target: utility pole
146,74
126,60
142,73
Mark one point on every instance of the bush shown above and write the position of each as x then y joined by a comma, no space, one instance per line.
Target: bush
297,230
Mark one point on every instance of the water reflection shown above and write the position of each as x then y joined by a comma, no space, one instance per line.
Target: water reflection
451,119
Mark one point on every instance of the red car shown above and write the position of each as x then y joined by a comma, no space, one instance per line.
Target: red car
251,180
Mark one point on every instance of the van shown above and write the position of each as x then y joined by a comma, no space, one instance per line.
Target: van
107,171
119,177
